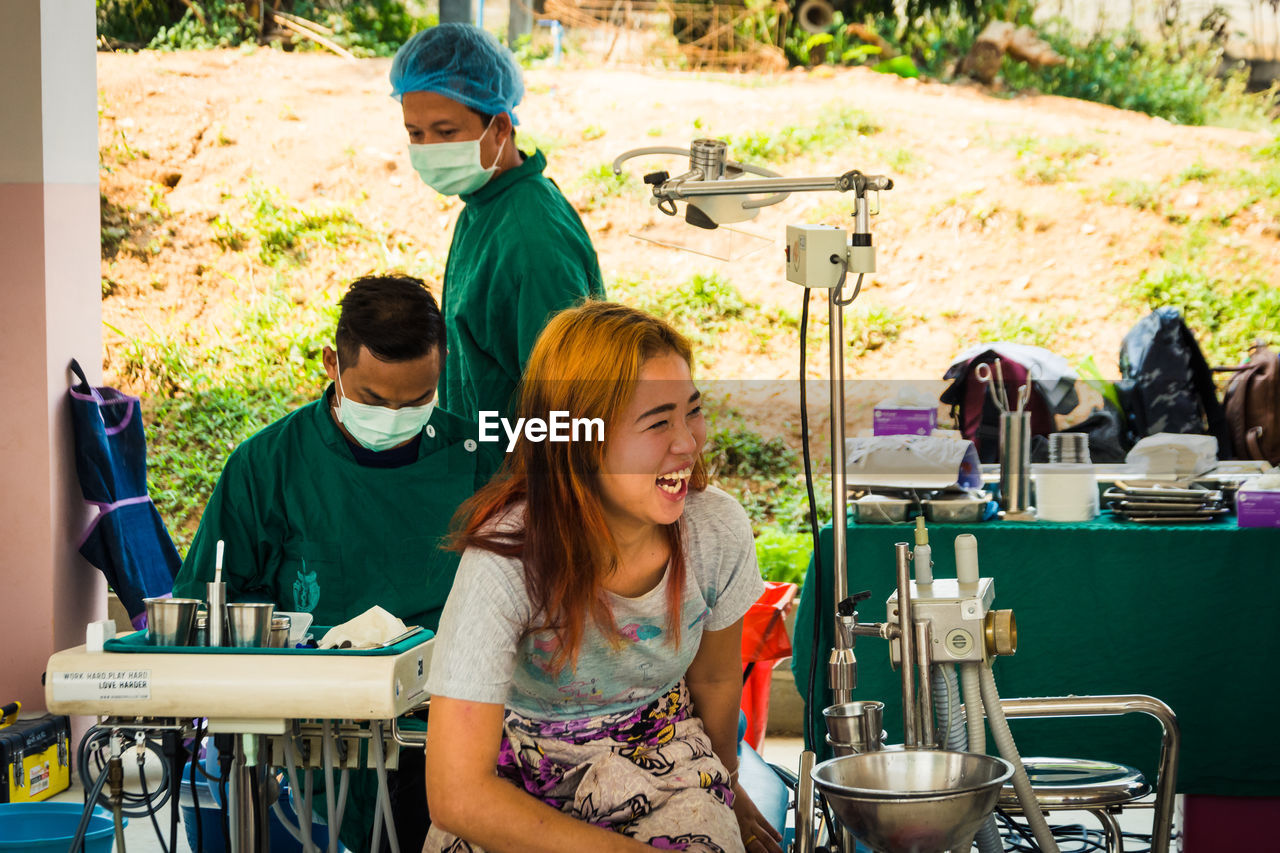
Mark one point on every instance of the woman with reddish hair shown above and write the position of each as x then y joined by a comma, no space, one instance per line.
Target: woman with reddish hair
590,648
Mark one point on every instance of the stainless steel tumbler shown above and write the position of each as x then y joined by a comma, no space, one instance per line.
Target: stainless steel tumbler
1015,461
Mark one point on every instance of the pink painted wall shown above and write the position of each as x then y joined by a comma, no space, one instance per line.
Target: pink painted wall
50,312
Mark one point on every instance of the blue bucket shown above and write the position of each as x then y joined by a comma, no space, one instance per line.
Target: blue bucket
32,827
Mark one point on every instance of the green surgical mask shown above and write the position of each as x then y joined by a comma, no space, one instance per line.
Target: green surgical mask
378,428
453,168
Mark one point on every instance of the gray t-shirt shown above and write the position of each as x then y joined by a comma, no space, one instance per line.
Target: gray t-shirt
485,651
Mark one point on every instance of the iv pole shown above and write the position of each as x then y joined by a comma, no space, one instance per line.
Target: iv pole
712,175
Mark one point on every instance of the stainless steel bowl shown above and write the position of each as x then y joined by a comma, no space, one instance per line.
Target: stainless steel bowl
954,510
882,510
912,801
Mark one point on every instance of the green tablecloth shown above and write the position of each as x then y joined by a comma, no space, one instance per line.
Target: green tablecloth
1185,614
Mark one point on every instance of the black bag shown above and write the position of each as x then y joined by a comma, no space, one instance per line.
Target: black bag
1105,428
1166,385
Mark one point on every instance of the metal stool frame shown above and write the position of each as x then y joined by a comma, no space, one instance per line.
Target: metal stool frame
1110,706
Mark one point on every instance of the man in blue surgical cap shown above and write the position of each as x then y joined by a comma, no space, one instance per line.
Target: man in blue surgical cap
519,251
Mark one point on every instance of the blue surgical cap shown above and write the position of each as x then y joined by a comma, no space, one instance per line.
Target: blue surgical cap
462,62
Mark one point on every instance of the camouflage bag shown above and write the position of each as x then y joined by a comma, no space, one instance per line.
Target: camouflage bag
1166,384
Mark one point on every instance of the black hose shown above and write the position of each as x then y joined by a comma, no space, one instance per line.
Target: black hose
195,794
132,805
809,735
151,813
226,813
90,802
175,753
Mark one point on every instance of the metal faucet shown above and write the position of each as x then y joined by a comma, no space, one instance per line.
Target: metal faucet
915,640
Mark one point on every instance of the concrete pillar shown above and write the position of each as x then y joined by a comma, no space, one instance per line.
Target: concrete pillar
456,12
51,306
520,22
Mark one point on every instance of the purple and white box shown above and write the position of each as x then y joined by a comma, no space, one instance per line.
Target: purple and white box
903,420
1257,507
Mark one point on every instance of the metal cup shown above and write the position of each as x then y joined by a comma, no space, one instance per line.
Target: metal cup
1015,461
280,625
840,749
854,726
200,629
249,624
169,620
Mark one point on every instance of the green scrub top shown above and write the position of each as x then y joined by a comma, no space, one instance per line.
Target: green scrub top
310,529
519,255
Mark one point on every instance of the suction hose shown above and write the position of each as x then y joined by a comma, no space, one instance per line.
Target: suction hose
946,699
303,800
326,749
383,810
947,692
1004,742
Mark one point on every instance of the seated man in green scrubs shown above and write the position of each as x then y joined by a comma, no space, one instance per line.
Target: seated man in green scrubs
342,504
519,251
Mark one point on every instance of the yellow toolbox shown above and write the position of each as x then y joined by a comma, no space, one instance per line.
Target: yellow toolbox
35,756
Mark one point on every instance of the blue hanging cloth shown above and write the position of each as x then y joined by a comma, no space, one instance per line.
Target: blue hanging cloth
127,539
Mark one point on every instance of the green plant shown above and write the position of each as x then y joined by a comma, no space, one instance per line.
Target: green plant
364,27
832,129
1197,171
369,27
599,184
131,22
1225,296
1173,78
1139,194
704,304
283,228
871,326
902,159
212,23
189,438
782,555
227,234
1048,161
124,227
743,454
1011,325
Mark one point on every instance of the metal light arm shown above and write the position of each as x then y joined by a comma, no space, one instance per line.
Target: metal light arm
854,181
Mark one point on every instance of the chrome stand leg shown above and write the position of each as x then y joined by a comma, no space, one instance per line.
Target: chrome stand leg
244,829
1111,831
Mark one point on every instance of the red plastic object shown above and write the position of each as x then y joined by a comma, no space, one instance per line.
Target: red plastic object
1212,824
764,641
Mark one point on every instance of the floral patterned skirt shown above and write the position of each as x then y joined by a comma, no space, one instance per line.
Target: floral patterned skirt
649,774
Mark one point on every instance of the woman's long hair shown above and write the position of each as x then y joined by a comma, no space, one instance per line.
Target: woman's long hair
586,362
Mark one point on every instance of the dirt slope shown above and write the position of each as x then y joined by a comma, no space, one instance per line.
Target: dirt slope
968,236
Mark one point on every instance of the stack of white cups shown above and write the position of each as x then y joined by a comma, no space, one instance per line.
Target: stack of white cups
1066,488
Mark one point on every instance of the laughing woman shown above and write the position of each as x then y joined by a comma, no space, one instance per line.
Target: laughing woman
590,648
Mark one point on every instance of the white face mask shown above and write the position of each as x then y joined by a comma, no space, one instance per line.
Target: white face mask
454,168
377,427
